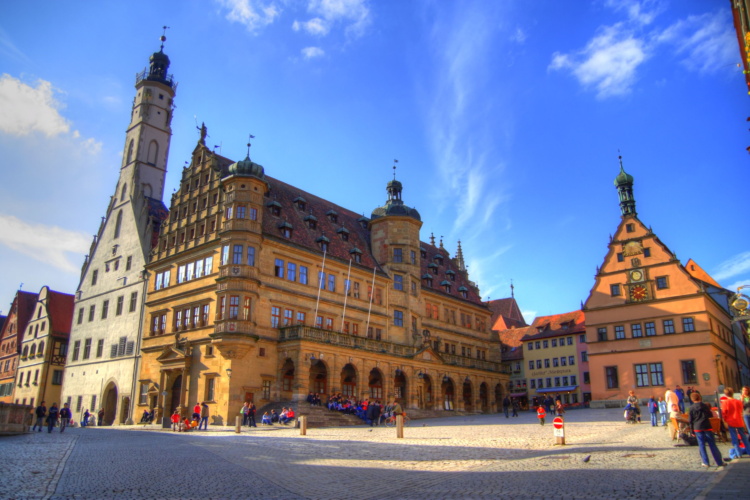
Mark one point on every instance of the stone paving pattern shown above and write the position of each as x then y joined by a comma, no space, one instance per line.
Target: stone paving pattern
484,456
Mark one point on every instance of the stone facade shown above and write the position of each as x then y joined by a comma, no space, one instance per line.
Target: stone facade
105,342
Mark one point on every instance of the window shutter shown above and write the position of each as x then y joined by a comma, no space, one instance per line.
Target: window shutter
113,353
121,346
129,348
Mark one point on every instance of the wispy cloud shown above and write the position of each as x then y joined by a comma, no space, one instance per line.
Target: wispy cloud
9,50
707,42
608,63
312,52
642,12
254,14
733,267
353,14
519,36
49,244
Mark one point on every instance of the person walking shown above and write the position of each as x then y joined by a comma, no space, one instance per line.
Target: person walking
197,411
100,420
243,412
700,423
54,413
204,417
65,416
662,411
559,409
633,402
653,409
540,414
85,419
251,415
731,412
506,406
671,398
515,408
680,398
176,421
40,412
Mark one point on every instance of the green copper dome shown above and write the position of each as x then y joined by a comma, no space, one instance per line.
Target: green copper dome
623,177
246,168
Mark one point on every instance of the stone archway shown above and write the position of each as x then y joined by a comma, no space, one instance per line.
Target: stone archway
318,381
349,381
483,398
399,388
426,398
287,379
467,395
110,404
448,393
125,412
174,394
375,384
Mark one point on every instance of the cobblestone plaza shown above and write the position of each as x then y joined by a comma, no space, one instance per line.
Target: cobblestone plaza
484,456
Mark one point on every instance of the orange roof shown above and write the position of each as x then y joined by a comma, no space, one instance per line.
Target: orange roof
697,272
556,325
505,314
60,310
512,345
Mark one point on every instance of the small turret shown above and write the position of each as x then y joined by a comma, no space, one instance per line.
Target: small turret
624,185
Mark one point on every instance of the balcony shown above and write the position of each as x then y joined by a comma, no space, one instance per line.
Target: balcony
302,332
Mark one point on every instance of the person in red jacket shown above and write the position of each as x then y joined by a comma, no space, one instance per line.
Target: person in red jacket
731,412
175,421
540,414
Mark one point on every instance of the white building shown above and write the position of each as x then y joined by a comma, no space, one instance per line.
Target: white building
104,345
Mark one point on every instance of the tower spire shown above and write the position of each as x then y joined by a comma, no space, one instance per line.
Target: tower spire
624,185
460,258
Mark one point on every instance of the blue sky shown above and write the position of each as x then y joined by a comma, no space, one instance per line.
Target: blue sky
506,119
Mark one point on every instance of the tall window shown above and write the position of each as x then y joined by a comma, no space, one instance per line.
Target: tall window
94,276
332,282
234,306
398,282
619,332
100,348
210,388
118,224
584,357
76,349
278,269
650,329
86,348
689,375
303,275
611,376
635,329
291,271
105,309
288,317
133,301
688,325
398,318
641,375
250,256
80,315
668,326
237,254
398,255
120,304
275,316
143,395
601,333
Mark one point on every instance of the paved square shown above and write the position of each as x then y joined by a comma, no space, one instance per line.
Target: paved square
483,456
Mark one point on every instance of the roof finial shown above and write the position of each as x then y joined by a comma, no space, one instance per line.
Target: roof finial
511,289
441,241
163,37
250,136
394,169
432,239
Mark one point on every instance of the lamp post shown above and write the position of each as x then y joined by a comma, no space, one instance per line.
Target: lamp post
739,306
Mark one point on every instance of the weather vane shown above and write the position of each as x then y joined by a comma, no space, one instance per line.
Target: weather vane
251,136
163,37
394,169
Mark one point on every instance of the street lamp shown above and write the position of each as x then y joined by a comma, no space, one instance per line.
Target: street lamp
229,372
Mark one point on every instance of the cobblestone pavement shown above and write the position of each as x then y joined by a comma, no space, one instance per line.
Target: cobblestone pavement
486,456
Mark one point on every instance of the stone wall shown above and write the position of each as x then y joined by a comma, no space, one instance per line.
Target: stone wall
14,419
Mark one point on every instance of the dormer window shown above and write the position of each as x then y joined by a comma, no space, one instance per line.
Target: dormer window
323,242
356,255
312,221
438,259
463,291
300,203
432,267
286,229
423,252
363,221
446,286
343,233
451,274
332,216
275,207
427,279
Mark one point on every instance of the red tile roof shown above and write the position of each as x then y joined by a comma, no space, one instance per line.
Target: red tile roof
506,314
60,310
510,338
25,305
556,325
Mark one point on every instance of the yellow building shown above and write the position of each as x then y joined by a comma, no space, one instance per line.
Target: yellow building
551,356
262,292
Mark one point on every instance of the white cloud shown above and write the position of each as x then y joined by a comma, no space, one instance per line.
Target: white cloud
608,63
48,244
28,109
733,267
707,41
353,13
312,52
518,36
254,14
641,12
315,26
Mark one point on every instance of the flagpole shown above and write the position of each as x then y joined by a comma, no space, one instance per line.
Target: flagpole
347,285
372,296
320,286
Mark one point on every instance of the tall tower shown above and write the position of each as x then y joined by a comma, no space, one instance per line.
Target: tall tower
624,185
105,337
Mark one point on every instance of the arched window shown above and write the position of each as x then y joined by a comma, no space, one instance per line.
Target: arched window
41,348
153,152
130,150
118,224
33,350
25,351
124,191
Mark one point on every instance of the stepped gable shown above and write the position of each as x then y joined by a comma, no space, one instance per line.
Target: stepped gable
441,273
306,237
506,314
60,309
556,325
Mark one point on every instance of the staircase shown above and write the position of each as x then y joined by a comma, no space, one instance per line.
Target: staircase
317,416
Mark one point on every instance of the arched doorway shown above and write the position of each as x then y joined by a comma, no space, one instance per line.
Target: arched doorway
125,413
376,385
448,393
110,404
349,381
318,381
425,396
499,396
287,379
399,388
484,401
468,406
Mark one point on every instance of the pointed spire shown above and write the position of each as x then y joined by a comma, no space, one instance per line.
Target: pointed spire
460,258
432,239
441,242
624,185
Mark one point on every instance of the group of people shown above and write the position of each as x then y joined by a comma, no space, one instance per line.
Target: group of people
313,399
509,404
199,419
541,411
371,412
54,416
286,416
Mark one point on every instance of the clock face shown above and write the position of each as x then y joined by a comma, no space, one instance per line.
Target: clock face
636,275
638,292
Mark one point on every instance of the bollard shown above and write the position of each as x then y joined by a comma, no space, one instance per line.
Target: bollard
302,425
558,425
237,424
399,426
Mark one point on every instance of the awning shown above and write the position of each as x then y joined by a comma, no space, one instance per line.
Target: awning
566,388
518,394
